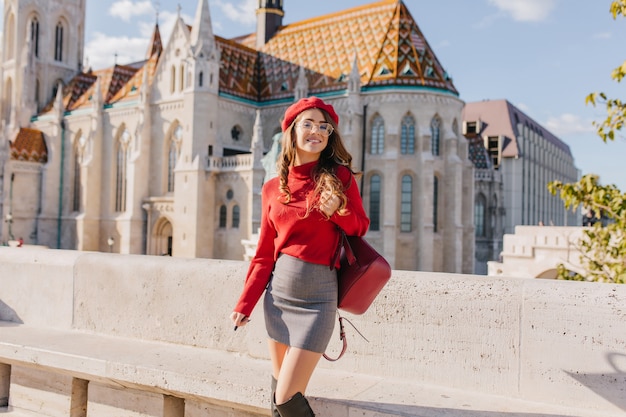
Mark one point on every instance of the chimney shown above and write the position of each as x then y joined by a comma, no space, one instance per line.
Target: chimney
269,18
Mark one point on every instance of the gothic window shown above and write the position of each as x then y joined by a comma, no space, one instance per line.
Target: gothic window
222,216
58,42
407,139
406,207
200,79
378,136
479,216
435,203
235,217
121,172
76,185
172,156
34,36
435,132
375,202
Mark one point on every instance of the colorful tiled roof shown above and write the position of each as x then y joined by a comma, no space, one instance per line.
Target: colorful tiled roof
29,145
477,153
389,46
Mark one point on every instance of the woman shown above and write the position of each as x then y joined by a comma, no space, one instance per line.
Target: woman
314,194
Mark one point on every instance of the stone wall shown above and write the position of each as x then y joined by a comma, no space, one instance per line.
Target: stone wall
551,342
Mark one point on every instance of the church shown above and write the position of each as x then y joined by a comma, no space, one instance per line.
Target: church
167,156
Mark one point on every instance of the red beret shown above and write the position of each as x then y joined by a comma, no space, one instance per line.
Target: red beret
304,104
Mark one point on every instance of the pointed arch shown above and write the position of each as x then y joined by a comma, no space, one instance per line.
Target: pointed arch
34,36
435,135
377,145
171,153
236,216
407,135
61,36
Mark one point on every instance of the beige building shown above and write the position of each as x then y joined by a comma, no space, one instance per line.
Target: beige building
515,159
164,156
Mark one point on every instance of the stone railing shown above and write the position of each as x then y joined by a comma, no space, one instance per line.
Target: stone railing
230,163
102,334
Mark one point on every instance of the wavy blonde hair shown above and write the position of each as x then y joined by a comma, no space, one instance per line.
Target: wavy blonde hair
324,172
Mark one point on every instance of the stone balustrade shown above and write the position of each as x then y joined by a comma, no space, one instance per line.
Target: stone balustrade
97,334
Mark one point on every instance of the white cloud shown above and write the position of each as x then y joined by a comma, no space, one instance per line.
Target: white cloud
101,49
525,10
243,12
568,124
126,9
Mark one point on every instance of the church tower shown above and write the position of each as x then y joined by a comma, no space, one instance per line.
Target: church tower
269,18
42,46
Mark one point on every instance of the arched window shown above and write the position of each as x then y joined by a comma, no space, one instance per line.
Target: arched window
173,79
479,216
172,156
406,207
375,202
200,79
58,42
435,132
407,139
378,136
236,217
222,216
435,203
34,36
121,172
76,185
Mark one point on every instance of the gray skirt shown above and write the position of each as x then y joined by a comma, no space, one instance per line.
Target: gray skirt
301,304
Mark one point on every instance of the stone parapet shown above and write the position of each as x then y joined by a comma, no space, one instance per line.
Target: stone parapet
151,335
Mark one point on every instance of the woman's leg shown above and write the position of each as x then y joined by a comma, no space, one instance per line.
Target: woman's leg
295,372
277,354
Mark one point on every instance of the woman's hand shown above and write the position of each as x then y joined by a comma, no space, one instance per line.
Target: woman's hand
329,202
239,319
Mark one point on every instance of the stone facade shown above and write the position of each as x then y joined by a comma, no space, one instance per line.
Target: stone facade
164,156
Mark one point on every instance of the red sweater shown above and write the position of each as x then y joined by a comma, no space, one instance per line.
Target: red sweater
283,229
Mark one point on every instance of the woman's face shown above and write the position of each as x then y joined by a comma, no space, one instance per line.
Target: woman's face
311,140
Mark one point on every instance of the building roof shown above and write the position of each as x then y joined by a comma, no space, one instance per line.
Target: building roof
501,118
29,145
389,48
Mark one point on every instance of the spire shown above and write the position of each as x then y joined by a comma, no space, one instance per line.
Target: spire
202,32
156,45
354,81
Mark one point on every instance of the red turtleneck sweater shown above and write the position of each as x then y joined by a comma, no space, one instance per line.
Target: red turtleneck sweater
284,229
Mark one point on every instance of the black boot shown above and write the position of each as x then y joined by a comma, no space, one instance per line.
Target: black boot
297,406
273,406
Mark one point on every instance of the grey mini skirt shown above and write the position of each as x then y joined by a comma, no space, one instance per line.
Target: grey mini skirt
301,304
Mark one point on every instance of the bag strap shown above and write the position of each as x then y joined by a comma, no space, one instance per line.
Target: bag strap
342,337
345,243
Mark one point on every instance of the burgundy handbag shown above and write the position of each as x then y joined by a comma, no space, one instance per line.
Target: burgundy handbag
363,274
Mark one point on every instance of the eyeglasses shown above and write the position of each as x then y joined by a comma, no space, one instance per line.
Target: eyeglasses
324,129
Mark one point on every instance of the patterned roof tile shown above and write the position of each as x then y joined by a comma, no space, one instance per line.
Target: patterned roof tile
29,145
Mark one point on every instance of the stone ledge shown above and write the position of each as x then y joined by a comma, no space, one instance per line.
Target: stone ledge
230,379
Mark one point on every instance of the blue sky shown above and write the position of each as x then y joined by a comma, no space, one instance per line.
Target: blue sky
544,56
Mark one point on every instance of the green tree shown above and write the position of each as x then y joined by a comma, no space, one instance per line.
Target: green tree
602,247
